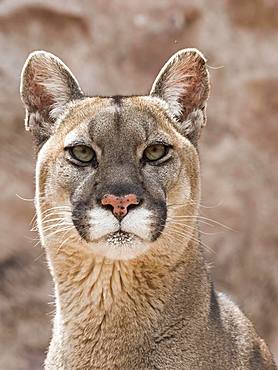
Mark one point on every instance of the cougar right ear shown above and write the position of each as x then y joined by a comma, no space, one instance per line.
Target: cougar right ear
47,85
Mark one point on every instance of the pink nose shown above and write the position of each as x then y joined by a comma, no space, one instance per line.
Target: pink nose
119,204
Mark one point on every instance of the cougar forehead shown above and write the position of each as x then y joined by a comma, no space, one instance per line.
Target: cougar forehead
110,117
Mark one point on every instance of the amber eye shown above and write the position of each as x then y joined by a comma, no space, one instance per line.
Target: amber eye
155,152
82,153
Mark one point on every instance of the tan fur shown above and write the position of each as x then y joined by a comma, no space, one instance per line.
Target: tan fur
154,308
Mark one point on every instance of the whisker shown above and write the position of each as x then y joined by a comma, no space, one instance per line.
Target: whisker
196,203
170,236
55,226
53,219
55,208
30,238
204,219
58,231
65,241
189,227
182,234
38,242
48,223
33,220
54,214
40,255
25,199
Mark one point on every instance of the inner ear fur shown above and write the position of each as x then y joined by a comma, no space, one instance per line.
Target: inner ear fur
47,86
183,83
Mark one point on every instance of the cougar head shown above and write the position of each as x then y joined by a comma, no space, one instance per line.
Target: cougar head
116,175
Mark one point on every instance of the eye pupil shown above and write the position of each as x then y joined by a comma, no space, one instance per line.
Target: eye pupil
82,153
155,152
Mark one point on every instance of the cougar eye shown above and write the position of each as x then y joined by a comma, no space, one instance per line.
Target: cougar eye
82,153
155,152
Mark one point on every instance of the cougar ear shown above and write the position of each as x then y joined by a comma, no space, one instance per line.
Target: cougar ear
47,85
183,83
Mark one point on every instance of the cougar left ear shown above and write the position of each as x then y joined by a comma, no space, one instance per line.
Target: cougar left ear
183,83
47,85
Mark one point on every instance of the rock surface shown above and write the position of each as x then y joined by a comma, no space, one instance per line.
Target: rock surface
117,48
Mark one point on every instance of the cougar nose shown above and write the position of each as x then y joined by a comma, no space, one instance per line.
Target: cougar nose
119,204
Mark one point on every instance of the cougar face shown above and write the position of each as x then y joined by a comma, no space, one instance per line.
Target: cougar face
114,172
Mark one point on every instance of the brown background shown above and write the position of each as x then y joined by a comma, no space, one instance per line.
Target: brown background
118,47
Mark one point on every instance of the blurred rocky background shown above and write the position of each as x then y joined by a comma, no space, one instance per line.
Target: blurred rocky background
118,47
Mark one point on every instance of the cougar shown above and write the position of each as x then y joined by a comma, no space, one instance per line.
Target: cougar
117,202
